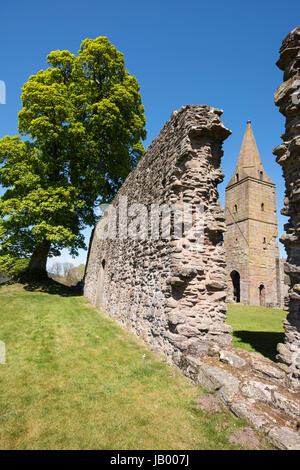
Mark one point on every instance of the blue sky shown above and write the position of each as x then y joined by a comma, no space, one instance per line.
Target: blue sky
218,53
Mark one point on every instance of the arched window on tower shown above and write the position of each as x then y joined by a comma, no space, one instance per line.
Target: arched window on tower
260,175
262,206
235,208
237,178
236,286
262,295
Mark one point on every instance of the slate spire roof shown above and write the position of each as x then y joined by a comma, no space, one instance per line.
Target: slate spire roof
249,161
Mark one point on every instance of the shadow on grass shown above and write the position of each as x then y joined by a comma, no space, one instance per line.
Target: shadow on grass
48,286
52,287
264,342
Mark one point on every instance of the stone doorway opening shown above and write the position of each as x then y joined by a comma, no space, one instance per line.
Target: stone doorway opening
100,289
262,295
236,285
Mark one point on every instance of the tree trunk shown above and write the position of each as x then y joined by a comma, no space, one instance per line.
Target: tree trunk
37,264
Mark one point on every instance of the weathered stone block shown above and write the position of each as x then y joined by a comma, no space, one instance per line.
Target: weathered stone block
286,404
245,409
265,369
215,379
284,438
258,391
232,359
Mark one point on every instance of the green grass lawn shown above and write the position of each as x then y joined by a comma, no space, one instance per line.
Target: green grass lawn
256,329
74,379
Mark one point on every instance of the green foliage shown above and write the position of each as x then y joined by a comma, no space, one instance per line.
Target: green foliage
12,265
84,122
76,274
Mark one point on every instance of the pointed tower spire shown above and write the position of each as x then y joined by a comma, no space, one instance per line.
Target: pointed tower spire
249,161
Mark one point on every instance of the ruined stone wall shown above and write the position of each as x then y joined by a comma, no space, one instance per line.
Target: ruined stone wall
170,292
287,97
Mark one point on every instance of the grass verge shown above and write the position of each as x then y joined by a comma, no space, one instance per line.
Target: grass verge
74,379
256,329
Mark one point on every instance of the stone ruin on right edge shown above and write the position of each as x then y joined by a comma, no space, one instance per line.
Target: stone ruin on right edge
253,387
287,97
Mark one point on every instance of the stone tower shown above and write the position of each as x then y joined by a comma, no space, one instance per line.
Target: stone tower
252,252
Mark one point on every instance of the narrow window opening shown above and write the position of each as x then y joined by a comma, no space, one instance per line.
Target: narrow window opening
237,177
262,207
260,175
235,208
100,296
236,286
262,295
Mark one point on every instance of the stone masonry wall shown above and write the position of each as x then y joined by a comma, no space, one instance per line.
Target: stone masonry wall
169,292
287,97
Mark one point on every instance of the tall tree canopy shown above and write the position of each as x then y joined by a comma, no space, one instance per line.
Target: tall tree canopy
84,123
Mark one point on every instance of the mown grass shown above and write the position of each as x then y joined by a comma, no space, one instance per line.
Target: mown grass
256,329
74,379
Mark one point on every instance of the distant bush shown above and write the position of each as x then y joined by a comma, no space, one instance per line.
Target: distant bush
12,266
3,277
66,273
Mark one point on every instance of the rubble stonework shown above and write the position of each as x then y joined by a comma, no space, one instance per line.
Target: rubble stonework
169,292
252,387
287,97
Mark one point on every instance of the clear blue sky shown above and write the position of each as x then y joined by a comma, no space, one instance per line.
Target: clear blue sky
220,53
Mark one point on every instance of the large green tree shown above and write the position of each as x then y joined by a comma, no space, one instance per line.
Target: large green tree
84,124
